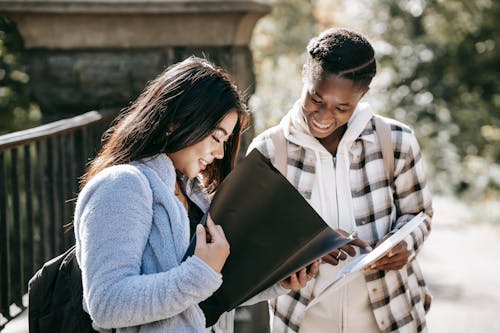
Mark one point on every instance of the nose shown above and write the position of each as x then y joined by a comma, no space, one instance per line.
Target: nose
218,153
323,112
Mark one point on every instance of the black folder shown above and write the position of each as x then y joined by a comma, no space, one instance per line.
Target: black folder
272,230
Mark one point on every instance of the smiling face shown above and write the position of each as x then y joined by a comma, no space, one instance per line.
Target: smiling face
328,103
193,159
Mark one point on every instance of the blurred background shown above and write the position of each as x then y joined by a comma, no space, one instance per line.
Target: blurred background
438,71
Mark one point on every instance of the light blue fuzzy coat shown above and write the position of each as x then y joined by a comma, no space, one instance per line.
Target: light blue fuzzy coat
131,234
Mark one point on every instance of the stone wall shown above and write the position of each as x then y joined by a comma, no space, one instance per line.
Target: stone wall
68,82
91,54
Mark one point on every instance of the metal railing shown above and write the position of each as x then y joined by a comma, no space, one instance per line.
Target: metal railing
39,172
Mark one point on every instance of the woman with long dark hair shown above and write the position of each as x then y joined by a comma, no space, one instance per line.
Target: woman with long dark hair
131,219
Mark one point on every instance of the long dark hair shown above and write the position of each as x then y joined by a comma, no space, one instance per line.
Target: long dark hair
179,108
342,52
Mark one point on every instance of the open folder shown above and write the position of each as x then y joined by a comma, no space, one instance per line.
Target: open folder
272,230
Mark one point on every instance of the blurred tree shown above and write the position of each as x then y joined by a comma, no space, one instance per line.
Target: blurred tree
17,112
278,45
444,66
438,72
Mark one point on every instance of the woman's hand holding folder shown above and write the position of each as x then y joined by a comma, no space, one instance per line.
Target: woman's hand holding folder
299,279
341,253
211,245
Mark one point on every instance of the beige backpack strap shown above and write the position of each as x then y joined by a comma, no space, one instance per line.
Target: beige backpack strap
384,134
280,148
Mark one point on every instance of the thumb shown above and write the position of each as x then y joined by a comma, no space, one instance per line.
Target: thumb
361,244
201,236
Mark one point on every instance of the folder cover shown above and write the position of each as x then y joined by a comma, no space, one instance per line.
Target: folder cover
272,230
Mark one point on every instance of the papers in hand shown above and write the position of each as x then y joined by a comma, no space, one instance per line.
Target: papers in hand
362,261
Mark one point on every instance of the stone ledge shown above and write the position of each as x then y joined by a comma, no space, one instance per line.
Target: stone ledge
79,24
132,6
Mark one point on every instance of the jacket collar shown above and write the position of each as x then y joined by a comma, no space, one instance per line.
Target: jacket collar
368,133
163,167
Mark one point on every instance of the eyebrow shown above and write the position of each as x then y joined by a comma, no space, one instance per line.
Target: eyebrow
316,93
222,129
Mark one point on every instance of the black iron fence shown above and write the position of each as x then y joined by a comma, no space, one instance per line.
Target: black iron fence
39,172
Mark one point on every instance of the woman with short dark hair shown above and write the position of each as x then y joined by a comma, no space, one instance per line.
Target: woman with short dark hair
335,160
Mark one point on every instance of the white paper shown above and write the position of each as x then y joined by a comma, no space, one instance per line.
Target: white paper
362,261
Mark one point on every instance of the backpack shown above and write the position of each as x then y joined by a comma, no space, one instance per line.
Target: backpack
55,297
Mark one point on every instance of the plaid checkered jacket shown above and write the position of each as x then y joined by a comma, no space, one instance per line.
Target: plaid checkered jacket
399,299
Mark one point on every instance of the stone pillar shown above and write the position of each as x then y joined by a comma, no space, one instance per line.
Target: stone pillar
92,54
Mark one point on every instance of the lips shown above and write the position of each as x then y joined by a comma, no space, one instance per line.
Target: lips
203,163
320,126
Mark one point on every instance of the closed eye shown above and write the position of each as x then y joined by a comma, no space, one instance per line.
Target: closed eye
216,139
315,100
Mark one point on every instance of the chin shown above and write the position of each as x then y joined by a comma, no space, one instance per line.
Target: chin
192,175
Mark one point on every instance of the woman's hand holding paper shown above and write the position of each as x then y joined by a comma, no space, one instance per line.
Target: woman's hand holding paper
395,259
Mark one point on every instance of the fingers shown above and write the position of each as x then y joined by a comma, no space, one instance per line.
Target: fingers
302,277
393,263
211,227
216,233
348,250
289,281
395,259
356,242
295,281
299,280
330,259
342,232
361,244
201,236
338,255
211,245
313,269
400,248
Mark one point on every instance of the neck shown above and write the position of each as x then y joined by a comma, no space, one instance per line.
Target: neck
332,141
179,193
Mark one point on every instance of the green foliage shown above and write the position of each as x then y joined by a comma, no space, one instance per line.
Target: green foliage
438,72
16,110
443,59
278,45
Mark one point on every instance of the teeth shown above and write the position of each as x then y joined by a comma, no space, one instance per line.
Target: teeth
203,161
319,125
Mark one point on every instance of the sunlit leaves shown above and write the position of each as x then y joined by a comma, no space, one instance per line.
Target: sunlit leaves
16,110
438,72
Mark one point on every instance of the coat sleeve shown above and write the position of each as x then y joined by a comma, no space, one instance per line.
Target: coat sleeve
412,193
113,224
